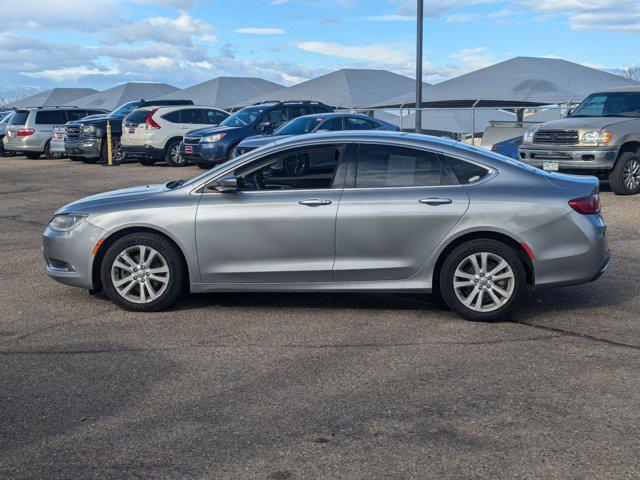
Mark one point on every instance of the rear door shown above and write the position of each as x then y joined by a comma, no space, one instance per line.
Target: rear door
397,206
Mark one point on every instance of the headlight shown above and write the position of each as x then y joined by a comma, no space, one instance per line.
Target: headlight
529,134
213,138
596,137
66,221
88,129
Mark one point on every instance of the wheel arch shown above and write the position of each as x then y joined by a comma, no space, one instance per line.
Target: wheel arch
630,146
118,234
485,235
177,138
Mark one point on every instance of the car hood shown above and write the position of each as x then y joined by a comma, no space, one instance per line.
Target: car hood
203,132
260,140
133,194
583,123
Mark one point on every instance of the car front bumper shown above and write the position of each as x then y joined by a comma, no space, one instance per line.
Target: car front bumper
569,158
83,147
209,154
69,255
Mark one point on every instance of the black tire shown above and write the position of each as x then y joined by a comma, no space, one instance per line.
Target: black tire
75,158
32,155
174,262
116,153
496,250
3,152
624,179
204,166
88,160
147,161
170,155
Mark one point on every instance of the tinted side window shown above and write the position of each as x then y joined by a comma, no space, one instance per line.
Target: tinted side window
354,123
73,115
94,112
137,117
173,117
191,115
294,112
333,125
391,166
52,117
19,117
297,170
465,171
276,117
213,117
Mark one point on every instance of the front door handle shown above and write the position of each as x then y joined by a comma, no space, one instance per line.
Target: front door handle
435,201
314,202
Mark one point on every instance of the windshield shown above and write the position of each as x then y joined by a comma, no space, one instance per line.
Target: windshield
122,110
618,104
299,125
243,117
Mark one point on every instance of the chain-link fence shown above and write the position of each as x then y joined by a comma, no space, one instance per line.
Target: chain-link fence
499,129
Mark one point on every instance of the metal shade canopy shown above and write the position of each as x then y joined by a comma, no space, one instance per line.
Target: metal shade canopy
521,81
127,92
224,92
449,120
346,88
53,97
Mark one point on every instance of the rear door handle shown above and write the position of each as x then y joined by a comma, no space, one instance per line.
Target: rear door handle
435,201
314,202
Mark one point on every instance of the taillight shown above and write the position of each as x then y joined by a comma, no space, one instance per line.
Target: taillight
150,121
25,132
586,205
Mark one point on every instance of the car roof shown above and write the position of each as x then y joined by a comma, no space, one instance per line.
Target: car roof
339,115
180,107
633,89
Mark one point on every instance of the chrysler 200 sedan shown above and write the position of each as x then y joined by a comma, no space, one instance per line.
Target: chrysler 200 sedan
377,212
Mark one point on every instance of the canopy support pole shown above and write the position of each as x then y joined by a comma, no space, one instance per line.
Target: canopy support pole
419,66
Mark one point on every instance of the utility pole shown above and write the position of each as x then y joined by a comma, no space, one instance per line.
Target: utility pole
419,67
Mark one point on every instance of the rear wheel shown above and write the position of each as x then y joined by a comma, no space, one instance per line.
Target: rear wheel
624,179
32,155
49,154
172,155
483,280
142,272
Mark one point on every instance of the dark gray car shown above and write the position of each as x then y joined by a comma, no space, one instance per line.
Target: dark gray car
385,212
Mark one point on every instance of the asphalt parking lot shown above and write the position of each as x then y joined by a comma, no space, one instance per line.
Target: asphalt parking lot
288,386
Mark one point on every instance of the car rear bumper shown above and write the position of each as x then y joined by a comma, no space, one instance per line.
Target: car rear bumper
23,144
68,255
87,147
142,151
208,154
569,158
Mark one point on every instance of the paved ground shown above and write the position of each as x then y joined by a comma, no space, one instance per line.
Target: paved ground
306,386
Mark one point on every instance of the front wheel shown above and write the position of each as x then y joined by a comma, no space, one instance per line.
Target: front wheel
117,155
142,272
625,176
483,280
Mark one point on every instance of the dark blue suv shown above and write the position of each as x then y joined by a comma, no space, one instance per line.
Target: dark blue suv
209,146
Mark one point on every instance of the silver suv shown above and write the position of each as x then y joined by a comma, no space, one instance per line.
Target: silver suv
29,130
600,137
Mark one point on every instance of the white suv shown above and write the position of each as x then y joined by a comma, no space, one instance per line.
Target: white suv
150,135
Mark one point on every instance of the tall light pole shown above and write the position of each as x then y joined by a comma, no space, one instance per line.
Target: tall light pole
419,67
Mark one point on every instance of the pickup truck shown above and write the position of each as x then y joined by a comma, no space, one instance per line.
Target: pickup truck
86,139
600,137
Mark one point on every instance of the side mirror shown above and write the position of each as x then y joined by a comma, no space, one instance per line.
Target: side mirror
569,112
264,126
227,184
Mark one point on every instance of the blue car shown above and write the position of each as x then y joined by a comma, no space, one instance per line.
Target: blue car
326,122
213,145
508,148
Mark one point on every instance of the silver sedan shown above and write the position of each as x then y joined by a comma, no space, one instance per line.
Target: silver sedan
375,212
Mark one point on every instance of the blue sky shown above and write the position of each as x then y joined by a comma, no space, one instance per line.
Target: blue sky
101,43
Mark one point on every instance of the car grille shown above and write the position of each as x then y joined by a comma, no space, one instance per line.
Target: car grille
72,131
556,137
191,140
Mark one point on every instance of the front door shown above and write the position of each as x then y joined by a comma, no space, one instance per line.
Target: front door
399,207
279,227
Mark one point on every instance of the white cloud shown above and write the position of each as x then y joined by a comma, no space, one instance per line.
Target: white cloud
177,31
461,17
260,31
379,53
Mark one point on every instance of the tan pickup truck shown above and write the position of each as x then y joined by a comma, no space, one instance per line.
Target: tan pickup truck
600,137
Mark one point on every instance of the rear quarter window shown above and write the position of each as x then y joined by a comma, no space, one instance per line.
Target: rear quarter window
19,117
466,172
137,117
172,117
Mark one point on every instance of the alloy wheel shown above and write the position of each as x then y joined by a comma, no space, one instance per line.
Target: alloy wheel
631,174
484,282
176,158
118,154
140,274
